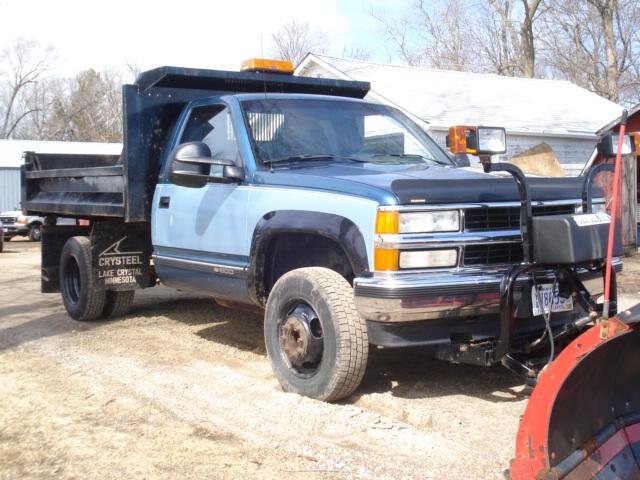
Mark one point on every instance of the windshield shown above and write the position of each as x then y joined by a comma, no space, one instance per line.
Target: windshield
302,130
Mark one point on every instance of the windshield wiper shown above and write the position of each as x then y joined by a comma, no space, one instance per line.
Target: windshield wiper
409,155
296,158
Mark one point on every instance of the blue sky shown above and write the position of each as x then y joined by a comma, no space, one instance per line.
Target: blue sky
193,33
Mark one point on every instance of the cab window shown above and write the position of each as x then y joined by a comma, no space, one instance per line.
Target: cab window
212,125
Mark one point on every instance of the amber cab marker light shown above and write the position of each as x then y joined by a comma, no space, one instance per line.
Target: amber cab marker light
267,65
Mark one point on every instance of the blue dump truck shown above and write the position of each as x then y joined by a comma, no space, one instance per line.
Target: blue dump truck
338,217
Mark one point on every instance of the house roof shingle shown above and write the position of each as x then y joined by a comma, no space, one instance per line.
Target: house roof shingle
444,98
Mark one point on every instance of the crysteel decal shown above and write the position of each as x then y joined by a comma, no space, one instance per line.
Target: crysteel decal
591,219
119,267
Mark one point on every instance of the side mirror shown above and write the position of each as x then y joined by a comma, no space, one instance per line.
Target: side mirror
608,145
190,166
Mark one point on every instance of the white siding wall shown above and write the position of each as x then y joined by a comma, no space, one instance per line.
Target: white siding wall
9,188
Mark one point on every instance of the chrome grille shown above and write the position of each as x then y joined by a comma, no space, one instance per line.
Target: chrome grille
8,219
506,218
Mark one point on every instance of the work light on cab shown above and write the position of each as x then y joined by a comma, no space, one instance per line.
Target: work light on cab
477,140
266,65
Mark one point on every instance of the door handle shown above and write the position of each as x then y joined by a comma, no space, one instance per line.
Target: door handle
164,202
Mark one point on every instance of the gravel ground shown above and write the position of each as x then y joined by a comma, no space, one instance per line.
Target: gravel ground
181,388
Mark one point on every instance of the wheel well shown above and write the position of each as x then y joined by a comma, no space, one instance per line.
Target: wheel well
288,251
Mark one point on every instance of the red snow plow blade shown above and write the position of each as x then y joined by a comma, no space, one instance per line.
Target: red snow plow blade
583,418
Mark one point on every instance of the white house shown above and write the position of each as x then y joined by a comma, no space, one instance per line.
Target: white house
533,111
11,158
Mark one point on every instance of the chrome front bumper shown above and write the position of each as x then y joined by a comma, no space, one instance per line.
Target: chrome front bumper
13,229
406,297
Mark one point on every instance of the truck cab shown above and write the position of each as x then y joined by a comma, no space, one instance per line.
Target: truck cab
338,217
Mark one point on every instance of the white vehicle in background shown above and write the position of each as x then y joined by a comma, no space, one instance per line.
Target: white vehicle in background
16,224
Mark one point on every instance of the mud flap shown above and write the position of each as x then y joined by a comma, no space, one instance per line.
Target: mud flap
121,255
583,417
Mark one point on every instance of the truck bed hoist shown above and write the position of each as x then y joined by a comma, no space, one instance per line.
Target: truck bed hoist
338,217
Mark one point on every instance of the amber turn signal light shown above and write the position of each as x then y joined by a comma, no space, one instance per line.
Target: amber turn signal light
385,260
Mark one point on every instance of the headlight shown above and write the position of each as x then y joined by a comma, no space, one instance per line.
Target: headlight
427,222
22,220
429,259
492,140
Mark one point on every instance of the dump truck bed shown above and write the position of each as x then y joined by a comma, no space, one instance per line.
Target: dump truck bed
110,186
74,185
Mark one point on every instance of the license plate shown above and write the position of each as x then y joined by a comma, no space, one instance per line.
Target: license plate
559,304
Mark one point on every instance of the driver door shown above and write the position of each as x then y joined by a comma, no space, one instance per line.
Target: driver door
199,233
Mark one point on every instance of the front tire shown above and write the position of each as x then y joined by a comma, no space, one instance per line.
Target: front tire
35,232
80,296
316,340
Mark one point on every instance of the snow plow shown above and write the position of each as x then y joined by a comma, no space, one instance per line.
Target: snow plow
583,417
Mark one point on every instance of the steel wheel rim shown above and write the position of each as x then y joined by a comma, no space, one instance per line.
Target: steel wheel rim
301,339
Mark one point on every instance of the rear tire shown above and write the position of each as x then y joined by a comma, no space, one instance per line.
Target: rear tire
316,340
35,232
118,303
80,296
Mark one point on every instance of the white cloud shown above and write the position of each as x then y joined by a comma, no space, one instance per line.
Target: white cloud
192,33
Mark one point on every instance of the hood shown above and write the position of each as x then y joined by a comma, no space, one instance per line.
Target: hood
417,184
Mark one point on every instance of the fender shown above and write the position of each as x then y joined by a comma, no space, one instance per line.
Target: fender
334,227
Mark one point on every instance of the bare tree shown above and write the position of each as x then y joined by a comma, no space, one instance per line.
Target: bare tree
596,44
22,66
499,37
41,102
606,10
509,36
399,32
295,39
131,71
356,52
435,34
87,109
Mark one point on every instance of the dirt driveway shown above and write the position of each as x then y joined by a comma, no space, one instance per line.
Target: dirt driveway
181,388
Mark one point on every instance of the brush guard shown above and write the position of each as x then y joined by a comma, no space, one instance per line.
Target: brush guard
522,360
